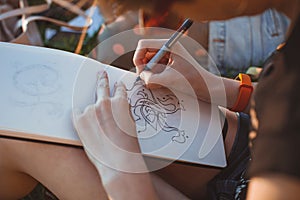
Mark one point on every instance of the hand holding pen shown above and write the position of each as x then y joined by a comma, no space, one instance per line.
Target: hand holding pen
182,74
167,46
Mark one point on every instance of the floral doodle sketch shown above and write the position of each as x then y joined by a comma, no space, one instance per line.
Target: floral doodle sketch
35,82
152,111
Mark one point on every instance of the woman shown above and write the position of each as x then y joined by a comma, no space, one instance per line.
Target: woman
83,187
265,178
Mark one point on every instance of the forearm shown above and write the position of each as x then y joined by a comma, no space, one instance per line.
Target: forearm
110,142
220,91
131,186
127,185
216,90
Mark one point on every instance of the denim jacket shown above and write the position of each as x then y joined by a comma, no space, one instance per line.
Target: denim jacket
238,43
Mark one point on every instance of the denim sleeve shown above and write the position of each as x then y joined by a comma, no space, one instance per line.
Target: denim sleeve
238,43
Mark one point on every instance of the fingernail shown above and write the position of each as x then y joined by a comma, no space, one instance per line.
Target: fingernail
115,85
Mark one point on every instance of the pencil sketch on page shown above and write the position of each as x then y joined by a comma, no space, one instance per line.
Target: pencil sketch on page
151,111
32,84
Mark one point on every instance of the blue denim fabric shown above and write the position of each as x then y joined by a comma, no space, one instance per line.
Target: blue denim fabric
238,43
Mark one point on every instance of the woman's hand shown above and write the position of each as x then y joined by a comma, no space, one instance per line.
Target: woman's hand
108,135
180,71
107,130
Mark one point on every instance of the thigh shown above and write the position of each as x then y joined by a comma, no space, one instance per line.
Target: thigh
66,171
192,180
14,184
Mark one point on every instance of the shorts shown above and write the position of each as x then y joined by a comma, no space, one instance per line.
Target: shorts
230,183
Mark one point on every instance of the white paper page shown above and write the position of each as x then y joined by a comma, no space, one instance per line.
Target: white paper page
37,88
169,125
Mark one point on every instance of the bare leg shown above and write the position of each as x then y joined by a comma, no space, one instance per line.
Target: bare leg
68,173
65,171
14,184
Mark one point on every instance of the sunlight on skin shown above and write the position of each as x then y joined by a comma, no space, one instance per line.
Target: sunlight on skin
274,187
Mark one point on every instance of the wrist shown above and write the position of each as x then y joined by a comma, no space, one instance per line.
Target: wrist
121,163
130,185
232,91
133,164
208,87
217,90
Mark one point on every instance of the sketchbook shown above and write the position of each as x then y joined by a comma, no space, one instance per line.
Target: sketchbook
40,86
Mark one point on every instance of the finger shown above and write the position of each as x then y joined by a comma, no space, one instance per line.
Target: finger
102,90
151,80
157,68
157,80
139,54
120,90
140,59
150,55
144,46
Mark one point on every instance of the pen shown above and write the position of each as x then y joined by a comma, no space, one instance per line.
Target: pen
167,46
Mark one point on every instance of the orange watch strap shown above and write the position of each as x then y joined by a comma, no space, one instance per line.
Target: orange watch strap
245,91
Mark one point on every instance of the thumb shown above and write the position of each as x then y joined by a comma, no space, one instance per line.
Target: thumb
153,80
150,79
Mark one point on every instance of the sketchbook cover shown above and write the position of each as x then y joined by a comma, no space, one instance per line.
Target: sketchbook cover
39,87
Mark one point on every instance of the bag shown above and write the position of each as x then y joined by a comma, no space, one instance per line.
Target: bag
17,20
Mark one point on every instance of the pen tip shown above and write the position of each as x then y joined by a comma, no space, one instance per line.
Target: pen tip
137,79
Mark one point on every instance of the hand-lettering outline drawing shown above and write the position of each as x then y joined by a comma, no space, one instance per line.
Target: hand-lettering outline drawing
152,111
